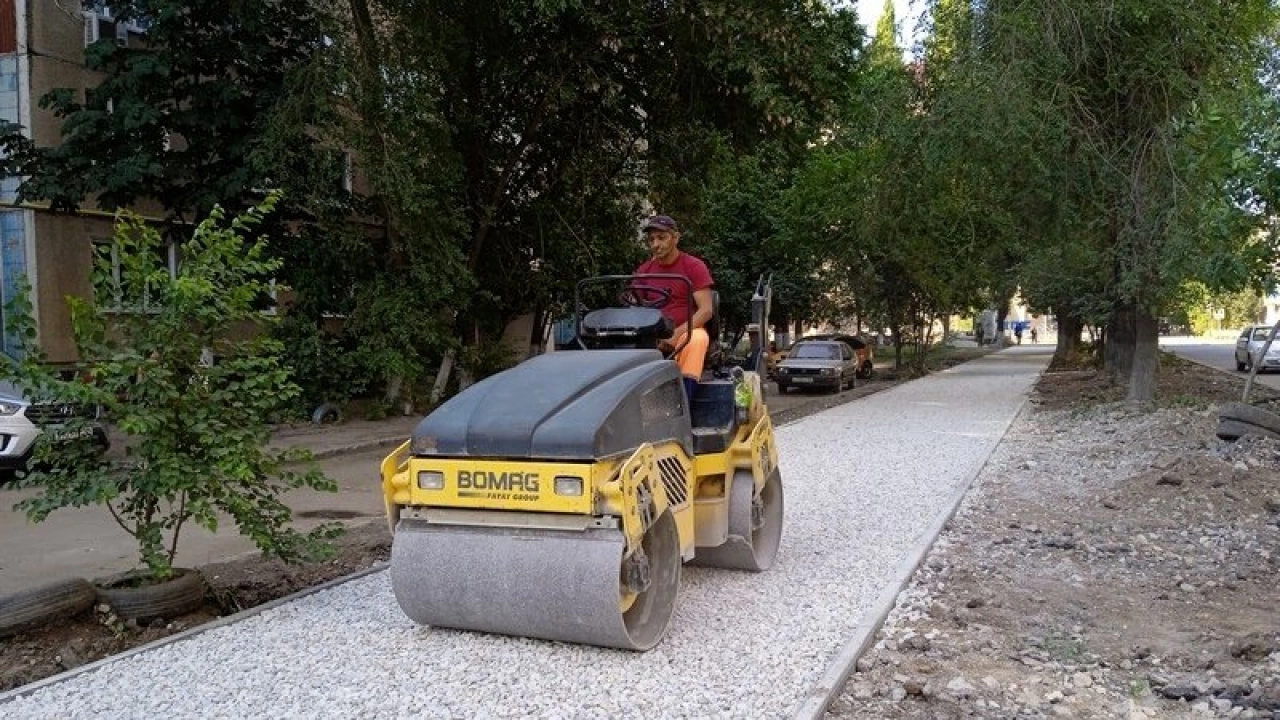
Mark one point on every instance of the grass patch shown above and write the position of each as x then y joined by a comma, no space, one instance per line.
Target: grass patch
1064,649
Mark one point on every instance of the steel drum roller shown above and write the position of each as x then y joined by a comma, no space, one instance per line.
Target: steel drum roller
549,584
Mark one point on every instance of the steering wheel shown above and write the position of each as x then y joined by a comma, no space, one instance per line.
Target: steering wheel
638,296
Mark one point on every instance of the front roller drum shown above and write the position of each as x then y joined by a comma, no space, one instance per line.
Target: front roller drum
755,526
549,584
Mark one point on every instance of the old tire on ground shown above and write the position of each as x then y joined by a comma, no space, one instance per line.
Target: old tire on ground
487,579
755,526
1250,414
179,595
40,605
1235,429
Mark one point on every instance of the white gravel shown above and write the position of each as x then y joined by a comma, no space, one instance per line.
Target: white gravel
862,482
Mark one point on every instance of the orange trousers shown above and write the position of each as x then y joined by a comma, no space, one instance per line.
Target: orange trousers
693,355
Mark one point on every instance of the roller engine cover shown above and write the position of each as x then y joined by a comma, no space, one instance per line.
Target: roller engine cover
563,406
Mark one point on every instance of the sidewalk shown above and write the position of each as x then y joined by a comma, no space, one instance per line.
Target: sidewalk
326,441
86,542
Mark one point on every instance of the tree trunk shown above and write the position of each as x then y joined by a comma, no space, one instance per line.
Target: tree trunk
442,378
782,334
1117,356
1002,313
896,329
1145,360
1069,328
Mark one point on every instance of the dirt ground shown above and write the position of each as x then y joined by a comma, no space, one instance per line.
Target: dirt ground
1106,564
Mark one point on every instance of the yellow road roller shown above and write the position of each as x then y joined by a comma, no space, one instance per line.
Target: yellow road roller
560,499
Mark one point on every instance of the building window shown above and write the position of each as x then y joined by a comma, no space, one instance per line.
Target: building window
127,297
102,22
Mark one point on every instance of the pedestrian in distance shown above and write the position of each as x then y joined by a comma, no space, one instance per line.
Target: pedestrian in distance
1017,332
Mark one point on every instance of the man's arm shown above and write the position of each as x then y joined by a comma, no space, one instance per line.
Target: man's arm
702,313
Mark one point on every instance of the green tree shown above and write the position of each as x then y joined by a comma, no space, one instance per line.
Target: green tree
1154,161
731,124
557,120
193,397
884,44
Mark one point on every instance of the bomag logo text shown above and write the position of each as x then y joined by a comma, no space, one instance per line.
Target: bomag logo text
481,480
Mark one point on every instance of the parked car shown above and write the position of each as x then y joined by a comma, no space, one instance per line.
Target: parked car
21,421
1249,349
863,348
828,364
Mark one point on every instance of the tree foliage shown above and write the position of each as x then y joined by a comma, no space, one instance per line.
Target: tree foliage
177,120
1137,106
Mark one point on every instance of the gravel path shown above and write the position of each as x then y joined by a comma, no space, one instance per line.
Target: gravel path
862,480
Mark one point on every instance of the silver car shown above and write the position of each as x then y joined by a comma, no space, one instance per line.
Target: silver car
1249,349
21,421
828,364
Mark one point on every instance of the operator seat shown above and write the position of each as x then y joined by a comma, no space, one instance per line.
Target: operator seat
712,410
715,348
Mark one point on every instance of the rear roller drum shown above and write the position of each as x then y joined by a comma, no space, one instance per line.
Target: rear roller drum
550,584
755,526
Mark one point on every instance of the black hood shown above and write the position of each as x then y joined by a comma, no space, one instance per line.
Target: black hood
570,405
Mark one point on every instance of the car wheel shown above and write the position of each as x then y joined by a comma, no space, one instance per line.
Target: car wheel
782,389
1239,365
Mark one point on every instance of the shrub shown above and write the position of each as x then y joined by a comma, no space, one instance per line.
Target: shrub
187,385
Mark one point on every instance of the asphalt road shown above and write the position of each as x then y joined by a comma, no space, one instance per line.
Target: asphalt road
1218,354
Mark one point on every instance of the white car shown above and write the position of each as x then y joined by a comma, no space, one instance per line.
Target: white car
1249,349
21,421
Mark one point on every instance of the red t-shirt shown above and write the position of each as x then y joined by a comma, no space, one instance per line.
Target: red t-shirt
680,306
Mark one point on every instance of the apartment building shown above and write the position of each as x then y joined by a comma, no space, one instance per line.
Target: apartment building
42,45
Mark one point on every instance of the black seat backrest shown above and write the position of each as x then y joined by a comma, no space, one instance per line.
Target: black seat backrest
715,349
713,325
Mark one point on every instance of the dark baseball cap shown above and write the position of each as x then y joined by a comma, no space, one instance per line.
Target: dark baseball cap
660,222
